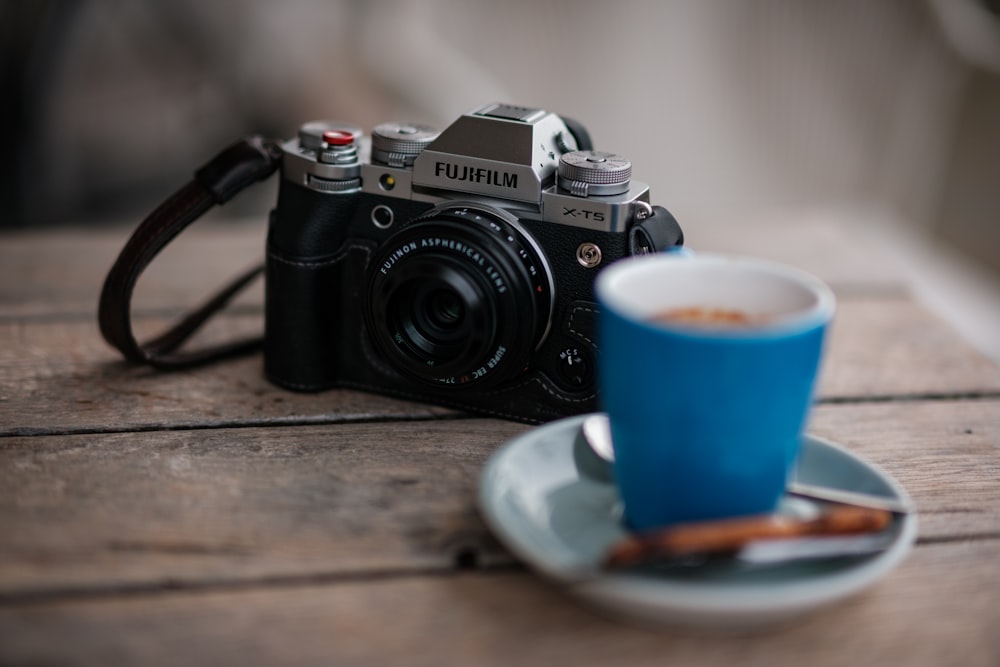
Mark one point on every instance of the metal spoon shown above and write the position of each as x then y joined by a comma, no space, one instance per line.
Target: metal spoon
595,456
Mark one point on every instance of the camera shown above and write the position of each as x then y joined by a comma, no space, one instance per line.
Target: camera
452,267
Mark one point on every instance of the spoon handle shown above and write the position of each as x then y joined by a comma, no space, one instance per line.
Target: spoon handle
845,497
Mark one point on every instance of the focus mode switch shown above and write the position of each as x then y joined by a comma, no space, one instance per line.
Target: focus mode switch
576,368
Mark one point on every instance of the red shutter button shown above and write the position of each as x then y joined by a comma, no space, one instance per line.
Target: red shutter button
338,138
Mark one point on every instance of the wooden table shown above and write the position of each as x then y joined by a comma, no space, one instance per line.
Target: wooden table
207,517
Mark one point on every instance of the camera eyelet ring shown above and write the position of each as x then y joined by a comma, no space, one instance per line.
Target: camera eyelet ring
644,210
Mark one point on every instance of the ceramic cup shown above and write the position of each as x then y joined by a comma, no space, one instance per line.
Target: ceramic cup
707,410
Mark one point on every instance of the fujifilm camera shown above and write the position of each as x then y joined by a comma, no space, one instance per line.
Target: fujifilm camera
451,267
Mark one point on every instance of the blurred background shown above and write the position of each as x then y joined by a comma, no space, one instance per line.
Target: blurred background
729,110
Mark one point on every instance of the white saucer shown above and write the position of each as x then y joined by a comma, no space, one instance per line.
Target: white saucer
561,523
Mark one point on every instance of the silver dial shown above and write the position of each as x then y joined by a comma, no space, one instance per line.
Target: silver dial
399,144
586,173
326,157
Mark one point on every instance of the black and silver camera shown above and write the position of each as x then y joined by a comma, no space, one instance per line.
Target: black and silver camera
454,267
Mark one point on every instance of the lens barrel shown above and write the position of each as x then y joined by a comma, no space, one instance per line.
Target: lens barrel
461,296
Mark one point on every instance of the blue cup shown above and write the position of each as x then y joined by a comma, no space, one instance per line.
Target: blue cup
707,406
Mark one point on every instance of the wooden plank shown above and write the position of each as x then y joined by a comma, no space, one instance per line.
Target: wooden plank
945,453
837,245
60,376
884,346
938,608
53,272
215,507
60,272
94,511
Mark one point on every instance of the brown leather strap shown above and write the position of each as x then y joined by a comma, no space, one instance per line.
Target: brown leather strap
237,167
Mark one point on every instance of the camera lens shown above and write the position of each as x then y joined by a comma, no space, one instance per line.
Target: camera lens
431,316
460,296
445,311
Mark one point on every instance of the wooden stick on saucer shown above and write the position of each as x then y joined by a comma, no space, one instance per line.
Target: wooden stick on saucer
730,535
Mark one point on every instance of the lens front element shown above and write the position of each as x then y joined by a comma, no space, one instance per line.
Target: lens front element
461,296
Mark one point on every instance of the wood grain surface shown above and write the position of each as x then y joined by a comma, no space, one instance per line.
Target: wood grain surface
215,506
505,618
61,377
207,517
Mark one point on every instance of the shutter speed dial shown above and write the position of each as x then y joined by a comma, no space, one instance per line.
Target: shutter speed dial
399,144
586,173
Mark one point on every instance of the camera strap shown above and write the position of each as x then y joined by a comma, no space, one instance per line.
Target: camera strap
235,168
